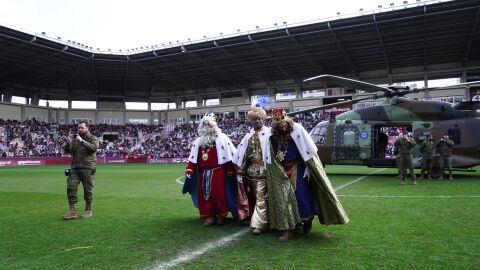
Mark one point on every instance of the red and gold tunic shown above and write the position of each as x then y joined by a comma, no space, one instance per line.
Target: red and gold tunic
212,200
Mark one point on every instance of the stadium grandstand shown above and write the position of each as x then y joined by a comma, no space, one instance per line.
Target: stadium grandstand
418,42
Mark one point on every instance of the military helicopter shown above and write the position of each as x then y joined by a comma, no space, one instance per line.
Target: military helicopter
357,137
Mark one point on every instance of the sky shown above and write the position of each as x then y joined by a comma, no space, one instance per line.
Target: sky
123,25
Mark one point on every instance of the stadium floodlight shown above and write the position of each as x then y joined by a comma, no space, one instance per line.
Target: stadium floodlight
379,6
43,33
59,38
405,2
338,13
392,4
204,36
361,10
257,27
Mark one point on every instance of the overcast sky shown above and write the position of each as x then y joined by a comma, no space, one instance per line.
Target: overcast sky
118,24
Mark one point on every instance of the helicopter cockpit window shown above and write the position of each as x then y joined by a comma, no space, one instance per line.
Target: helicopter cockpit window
349,138
319,133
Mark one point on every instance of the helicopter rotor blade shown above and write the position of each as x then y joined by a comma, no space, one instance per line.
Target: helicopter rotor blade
448,87
364,86
317,108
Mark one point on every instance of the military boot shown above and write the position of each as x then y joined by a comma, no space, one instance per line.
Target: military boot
88,211
71,214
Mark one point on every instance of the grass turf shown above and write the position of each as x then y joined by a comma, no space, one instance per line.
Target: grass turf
141,219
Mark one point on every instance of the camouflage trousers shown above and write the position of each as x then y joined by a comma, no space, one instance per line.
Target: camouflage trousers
427,166
404,163
445,161
86,177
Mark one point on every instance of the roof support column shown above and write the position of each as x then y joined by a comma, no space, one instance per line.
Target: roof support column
67,117
96,116
272,93
187,116
200,101
35,100
23,116
298,91
178,103
246,95
7,96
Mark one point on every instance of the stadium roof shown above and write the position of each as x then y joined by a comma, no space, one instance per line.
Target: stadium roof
440,39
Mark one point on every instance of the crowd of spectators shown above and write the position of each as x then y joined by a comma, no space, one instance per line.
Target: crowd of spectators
39,139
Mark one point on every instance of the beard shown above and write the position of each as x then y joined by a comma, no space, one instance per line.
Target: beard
208,135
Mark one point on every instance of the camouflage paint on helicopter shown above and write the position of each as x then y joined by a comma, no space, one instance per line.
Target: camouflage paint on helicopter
352,137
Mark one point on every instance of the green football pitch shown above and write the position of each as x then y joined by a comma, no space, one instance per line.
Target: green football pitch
142,221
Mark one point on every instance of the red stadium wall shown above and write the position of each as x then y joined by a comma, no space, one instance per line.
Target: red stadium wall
39,161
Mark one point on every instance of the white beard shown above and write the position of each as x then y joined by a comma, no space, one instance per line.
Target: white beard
208,135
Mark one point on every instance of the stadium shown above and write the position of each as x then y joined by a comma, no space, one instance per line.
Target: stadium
147,103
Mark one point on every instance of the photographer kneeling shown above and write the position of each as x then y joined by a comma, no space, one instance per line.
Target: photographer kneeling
83,148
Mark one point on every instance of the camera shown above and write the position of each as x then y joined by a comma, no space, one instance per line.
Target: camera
74,135
66,171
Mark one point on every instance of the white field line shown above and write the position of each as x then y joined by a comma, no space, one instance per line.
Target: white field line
412,196
358,179
68,249
178,180
191,255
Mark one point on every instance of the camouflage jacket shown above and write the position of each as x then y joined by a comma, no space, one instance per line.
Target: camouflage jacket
84,153
444,147
427,147
404,146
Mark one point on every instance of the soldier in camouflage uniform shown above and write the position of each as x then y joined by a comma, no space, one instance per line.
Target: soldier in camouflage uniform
83,148
404,146
427,148
444,148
